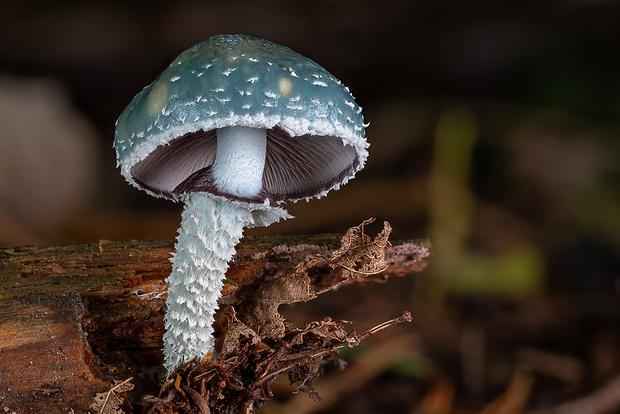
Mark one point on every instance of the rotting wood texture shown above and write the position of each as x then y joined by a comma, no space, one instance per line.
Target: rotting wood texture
74,319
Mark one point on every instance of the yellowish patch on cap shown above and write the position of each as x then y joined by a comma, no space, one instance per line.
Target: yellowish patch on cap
157,99
285,86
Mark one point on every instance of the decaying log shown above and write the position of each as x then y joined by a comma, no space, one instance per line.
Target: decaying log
75,318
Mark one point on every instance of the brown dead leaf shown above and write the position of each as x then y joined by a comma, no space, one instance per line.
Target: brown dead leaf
199,401
260,310
325,330
359,255
110,402
236,330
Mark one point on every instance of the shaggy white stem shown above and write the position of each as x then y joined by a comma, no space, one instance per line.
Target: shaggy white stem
240,160
210,229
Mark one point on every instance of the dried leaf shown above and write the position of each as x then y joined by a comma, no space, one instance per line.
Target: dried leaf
325,330
358,255
260,310
198,400
235,331
110,402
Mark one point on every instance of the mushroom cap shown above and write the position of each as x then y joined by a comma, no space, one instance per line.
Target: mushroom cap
165,139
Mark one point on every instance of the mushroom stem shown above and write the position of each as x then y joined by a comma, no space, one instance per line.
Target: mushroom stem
210,229
240,160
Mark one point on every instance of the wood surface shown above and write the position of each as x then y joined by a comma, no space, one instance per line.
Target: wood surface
73,319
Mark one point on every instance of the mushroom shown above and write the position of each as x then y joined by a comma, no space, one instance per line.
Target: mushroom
234,127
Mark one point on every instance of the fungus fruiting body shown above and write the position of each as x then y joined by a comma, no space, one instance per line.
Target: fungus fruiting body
233,127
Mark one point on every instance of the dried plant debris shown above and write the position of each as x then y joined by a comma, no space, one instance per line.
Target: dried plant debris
359,255
256,344
110,402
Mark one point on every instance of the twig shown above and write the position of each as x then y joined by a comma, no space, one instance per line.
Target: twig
266,377
204,374
405,317
376,272
112,392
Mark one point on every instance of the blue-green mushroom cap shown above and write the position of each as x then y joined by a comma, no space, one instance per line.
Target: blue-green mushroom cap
315,129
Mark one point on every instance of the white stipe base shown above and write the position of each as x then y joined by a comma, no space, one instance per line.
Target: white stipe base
240,160
210,229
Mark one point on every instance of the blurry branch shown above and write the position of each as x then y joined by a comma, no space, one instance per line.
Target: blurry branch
515,398
453,212
604,400
451,202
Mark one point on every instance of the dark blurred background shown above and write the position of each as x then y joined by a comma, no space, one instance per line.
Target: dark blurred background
494,133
